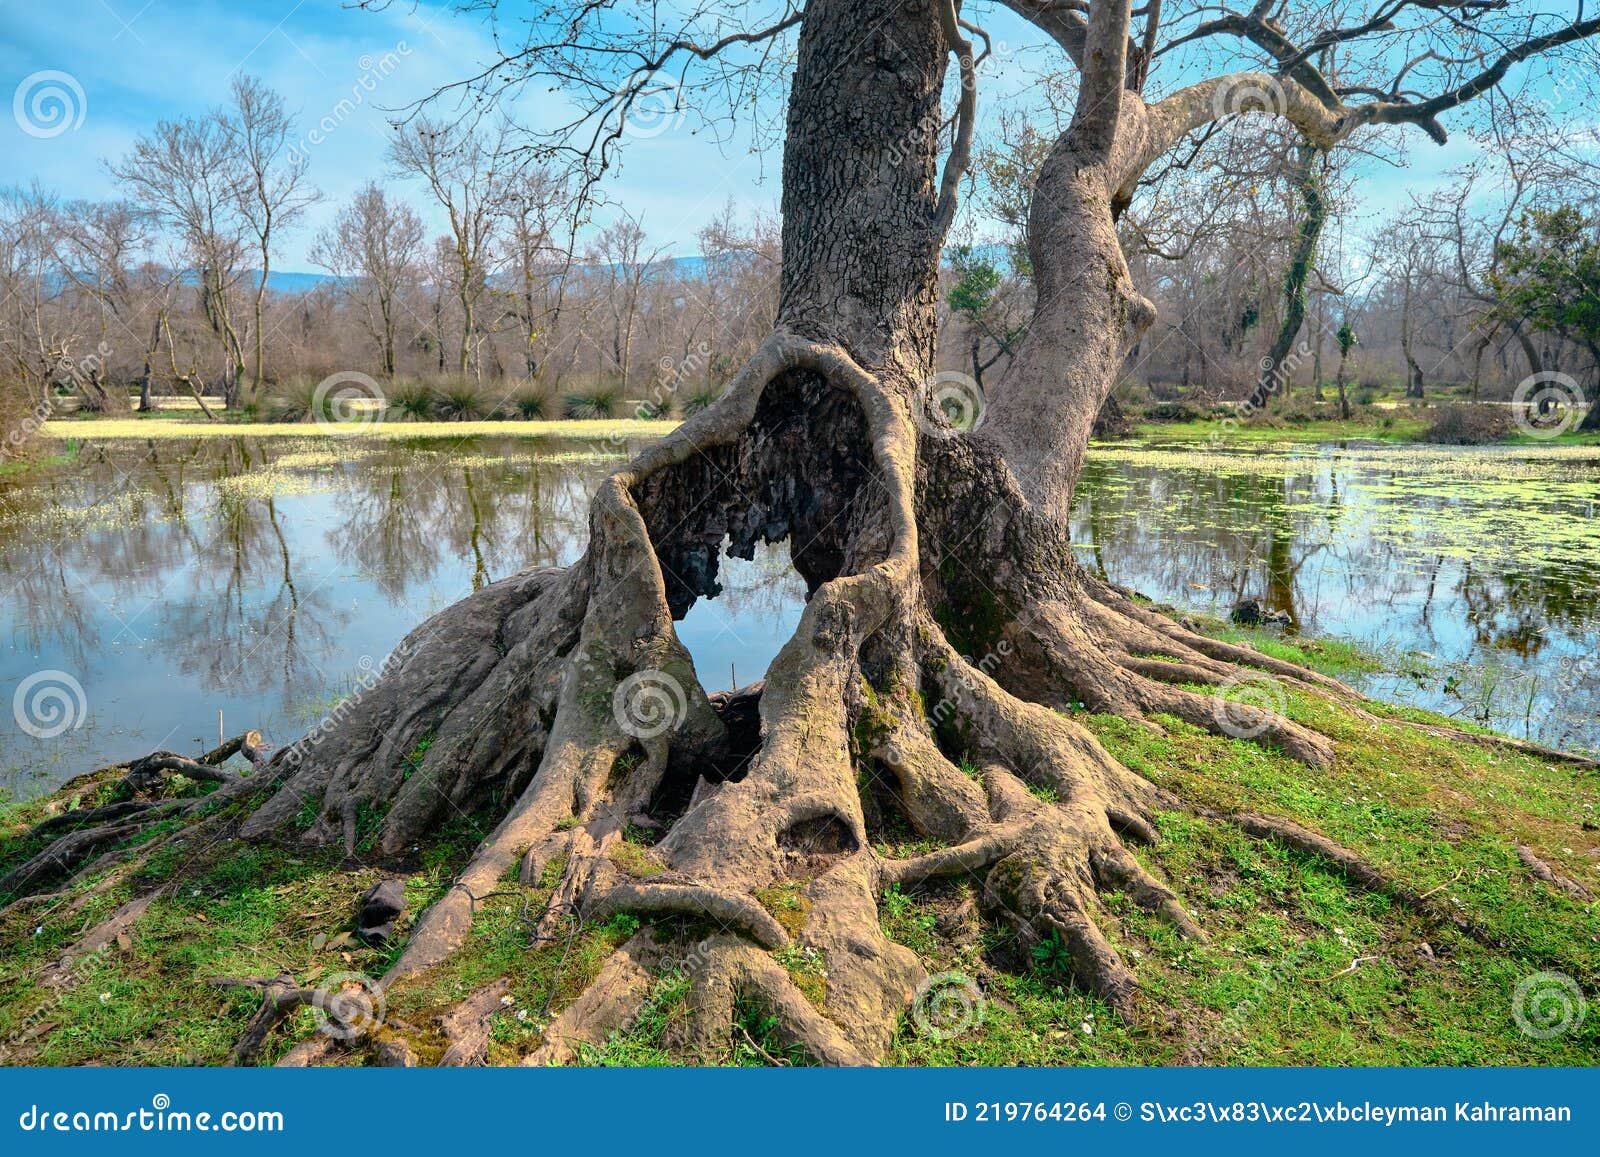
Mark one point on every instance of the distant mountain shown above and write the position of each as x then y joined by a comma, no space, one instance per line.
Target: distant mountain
694,266
296,282
292,281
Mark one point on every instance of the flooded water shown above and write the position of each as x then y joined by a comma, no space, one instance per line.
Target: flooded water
151,585
1473,572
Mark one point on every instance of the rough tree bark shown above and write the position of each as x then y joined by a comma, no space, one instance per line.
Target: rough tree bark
947,621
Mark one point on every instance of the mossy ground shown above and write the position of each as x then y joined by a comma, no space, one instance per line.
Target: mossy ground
1300,968
1396,426
1388,428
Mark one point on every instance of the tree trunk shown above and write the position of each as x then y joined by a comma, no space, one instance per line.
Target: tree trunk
259,310
386,308
1277,368
1344,398
1318,332
1414,387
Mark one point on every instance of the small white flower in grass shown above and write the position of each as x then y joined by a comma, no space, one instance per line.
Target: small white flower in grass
104,996
1088,1029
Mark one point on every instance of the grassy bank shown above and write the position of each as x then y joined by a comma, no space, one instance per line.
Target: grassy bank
1395,425
95,429
1300,967
1387,428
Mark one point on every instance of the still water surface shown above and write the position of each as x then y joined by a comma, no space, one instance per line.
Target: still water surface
261,577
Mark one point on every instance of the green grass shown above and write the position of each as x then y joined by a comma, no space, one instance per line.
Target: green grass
235,909
234,426
1387,428
1400,425
1275,984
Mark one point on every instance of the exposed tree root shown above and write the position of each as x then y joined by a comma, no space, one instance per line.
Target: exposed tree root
280,996
62,972
466,1026
607,1005
117,825
1543,871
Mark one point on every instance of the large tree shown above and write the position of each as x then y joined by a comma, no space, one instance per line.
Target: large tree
948,626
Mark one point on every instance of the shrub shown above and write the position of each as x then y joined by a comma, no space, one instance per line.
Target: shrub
1468,426
1173,412
1111,421
19,419
700,400
292,400
1301,409
411,399
461,401
530,404
597,403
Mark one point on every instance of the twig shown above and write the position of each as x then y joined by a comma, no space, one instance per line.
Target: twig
1442,886
1347,969
768,1057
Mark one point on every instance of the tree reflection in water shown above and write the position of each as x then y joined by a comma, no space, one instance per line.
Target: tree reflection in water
175,579
1477,573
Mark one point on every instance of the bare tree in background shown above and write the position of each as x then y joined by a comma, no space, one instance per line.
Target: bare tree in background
373,247
539,222
623,265
272,187
186,173
466,168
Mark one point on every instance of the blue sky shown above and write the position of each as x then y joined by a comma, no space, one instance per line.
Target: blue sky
136,61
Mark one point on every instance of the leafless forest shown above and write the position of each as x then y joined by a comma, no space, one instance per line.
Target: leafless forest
541,301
